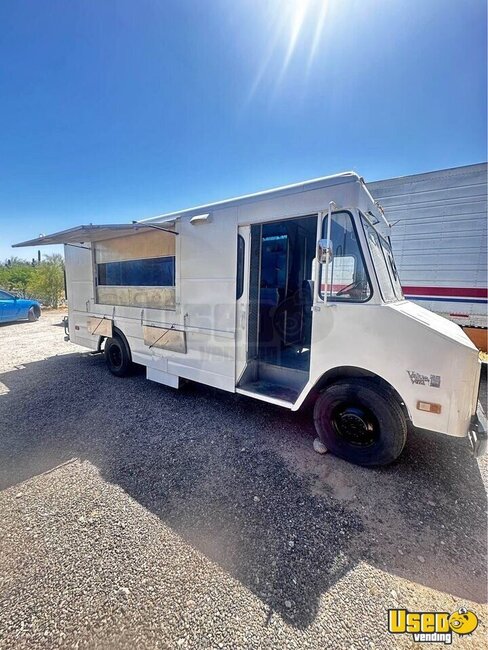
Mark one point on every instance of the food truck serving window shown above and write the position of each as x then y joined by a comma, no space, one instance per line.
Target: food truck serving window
152,272
136,270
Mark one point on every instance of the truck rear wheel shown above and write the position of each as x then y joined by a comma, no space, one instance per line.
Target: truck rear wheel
117,357
360,422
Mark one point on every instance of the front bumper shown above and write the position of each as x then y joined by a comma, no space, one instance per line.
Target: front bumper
477,432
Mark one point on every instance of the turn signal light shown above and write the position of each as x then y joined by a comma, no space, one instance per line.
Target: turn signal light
429,407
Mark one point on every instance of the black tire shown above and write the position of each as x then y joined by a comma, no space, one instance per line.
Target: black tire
33,314
361,422
117,357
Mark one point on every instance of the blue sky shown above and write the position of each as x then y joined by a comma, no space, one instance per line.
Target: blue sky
118,110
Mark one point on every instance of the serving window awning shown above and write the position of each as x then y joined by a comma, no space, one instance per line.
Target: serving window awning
91,233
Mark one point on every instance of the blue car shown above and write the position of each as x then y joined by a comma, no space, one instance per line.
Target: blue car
13,308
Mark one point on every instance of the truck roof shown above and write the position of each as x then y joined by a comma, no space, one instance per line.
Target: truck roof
294,188
91,232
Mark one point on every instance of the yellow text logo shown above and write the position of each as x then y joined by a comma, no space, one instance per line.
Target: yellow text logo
432,626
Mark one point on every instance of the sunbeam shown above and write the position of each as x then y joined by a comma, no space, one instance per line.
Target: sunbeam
318,31
293,25
298,14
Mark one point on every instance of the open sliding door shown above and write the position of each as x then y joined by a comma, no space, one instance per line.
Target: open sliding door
274,317
242,298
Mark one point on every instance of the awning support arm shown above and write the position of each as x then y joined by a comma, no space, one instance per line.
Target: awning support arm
78,246
153,225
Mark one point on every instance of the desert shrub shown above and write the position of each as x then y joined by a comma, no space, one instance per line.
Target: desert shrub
47,282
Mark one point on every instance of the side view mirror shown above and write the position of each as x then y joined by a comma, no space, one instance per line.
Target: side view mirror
325,251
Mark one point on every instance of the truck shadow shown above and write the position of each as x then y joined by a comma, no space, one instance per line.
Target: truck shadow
239,481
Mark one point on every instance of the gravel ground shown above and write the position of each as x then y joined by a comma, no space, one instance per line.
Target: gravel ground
136,516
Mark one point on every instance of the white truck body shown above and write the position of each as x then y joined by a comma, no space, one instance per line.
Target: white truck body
440,239
232,319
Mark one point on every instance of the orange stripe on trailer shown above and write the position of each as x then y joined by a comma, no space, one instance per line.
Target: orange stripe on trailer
479,336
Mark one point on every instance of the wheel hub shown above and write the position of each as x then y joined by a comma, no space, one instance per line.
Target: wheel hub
115,356
356,425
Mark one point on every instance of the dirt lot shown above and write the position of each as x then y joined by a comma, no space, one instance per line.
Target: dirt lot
136,516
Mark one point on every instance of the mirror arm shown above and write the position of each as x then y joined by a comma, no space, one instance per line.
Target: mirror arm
329,222
316,265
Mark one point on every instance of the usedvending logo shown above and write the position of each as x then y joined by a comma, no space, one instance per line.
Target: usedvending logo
432,627
434,381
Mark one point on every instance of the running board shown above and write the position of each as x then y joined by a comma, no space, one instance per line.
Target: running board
265,398
274,384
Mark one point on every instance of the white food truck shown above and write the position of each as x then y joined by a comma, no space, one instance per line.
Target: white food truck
289,296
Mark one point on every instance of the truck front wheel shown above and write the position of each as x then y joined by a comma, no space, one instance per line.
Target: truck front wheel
361,422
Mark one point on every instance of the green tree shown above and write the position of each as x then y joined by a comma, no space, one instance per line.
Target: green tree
13,260
4,274
19,277
15,275
47,282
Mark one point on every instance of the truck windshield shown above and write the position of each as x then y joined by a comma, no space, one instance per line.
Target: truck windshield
384,263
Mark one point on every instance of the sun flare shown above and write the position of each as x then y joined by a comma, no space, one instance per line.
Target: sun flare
293,25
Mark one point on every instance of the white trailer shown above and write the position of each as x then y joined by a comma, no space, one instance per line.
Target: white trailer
440,241
289,296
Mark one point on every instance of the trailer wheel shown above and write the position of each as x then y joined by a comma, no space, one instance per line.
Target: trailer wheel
360,422
117,357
